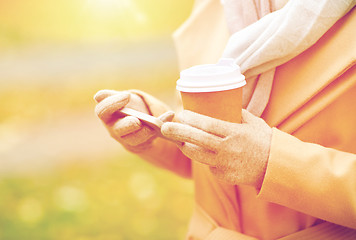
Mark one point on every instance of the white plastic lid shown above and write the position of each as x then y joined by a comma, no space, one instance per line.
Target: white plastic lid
225,75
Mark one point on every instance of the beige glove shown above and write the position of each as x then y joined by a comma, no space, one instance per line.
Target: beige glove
129,131
236,153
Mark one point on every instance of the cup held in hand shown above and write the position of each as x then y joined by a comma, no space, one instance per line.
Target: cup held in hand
214,90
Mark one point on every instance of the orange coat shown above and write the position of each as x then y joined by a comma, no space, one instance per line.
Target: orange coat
310,181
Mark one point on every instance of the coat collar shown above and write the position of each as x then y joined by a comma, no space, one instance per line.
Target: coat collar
303,86
201,39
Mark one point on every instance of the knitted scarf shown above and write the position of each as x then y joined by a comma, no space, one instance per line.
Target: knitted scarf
268,33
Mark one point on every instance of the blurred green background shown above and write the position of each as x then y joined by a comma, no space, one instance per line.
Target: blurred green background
61,175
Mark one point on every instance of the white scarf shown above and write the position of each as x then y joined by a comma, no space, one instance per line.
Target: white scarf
262,40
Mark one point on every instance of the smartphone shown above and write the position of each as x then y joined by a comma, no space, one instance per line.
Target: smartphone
148,120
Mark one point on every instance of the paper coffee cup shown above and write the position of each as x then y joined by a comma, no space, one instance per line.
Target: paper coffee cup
214,90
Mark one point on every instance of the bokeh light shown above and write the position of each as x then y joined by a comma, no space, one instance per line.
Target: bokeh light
61,175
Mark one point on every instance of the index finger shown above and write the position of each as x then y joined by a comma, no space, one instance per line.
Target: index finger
208,124
185,133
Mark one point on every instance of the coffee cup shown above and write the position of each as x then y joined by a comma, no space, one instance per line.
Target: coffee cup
213,90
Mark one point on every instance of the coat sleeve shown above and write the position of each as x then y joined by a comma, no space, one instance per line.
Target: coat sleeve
311,179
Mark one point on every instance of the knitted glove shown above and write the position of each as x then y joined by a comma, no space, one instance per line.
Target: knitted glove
128,130
236,153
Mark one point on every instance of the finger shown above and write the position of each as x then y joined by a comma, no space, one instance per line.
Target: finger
185,133
197,153
126,126
102,94
247,117
205,123
138,104
167,116
111,104
141,136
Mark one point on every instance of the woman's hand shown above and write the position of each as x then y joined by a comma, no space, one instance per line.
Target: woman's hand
236,153
127,130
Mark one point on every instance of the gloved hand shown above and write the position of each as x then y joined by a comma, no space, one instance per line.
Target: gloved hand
129,131
236,153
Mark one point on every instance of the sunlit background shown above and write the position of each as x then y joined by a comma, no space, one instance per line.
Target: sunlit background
61,175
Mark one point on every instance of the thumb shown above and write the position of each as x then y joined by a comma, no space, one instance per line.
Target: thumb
102,94
110,105
248,117
167,116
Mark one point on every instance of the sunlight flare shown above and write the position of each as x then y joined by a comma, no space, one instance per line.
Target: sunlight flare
116,8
